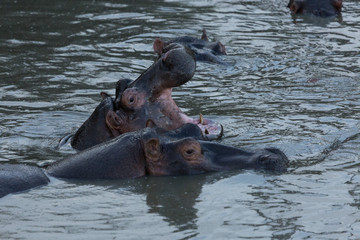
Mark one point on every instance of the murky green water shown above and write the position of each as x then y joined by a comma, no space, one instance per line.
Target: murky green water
291,83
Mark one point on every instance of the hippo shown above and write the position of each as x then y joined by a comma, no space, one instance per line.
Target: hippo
203,49
153,151
19,177
144,102
322,8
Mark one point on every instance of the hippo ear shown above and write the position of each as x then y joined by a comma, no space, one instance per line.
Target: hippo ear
204,36
290,3
152,149
150,123
104,95
294,8
113,122
159,46
297,6
337,5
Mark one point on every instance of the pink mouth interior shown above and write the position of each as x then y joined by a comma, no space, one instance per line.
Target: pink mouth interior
210,128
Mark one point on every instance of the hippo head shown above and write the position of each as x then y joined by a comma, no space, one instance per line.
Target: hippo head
159,152
216,47
203,49
186,156
147,101
321,8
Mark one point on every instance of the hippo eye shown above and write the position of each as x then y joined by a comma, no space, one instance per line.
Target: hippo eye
191,150
132,98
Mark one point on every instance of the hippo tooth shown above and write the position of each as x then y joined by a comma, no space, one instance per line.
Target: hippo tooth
201,119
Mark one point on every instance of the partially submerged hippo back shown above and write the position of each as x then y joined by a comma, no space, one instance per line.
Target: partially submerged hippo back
322,8
18,177
149,151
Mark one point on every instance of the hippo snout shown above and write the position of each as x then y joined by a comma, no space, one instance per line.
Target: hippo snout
272,159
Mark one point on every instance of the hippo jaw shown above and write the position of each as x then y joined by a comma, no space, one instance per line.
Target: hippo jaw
172,117
226,158
161,112
148,102
145,102
190,156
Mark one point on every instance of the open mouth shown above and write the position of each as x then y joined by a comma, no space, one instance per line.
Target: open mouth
172,117
148,99
211,130
162,112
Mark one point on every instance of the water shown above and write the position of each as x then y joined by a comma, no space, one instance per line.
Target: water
291,83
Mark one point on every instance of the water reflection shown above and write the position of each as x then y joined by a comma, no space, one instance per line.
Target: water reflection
173,198
319,21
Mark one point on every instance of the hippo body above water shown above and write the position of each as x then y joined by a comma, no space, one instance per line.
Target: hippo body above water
150,151
145,102
19,177
322,8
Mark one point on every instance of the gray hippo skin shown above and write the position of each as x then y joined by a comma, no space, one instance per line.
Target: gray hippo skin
18,177
151,152
145,102
321,8
156,152
203,49
94,130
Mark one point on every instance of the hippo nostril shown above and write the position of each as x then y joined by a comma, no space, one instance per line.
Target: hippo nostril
264,158
274,160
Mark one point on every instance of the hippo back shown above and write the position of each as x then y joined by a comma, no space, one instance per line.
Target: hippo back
18,177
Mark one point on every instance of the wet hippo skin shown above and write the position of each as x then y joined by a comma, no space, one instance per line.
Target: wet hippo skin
147,101
18,177
150,151
157,152
94,130
203,49
322,8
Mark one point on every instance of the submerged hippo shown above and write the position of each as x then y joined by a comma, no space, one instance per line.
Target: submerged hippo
18,177
145,102
154,152
322,8
202,48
